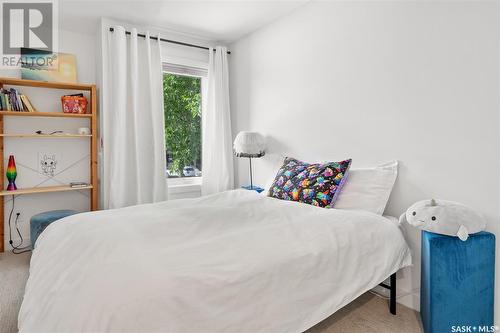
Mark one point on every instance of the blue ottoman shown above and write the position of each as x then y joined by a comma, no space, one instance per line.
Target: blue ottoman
457,287
40,221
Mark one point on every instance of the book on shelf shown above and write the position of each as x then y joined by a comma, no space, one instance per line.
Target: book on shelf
18,102
12,100
5,97
27,104
78,184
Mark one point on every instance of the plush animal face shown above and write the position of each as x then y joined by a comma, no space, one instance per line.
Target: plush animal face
444,217
424,214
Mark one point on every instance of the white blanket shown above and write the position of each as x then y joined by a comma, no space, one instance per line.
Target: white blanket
230,262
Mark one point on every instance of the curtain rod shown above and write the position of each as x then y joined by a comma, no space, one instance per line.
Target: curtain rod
169,41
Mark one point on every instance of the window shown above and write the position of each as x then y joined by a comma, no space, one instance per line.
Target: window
182,93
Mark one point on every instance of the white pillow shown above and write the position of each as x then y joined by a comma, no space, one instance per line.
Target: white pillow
368,189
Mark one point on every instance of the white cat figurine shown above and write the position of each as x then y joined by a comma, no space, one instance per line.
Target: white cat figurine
444,217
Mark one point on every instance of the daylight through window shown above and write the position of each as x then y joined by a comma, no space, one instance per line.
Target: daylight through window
182,99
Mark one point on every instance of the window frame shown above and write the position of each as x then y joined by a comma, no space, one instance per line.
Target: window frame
193,71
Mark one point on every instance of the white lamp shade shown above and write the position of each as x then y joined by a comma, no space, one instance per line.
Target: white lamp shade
249,144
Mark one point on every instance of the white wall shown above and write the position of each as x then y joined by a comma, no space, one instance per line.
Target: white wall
375,81
69,151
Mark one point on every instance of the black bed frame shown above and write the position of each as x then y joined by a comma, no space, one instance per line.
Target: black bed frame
392,290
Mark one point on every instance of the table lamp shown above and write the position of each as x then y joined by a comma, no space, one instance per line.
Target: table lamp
251,145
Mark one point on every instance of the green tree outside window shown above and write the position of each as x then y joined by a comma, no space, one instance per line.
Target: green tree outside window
182,100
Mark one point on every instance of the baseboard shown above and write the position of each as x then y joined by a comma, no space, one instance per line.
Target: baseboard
411,300
403,297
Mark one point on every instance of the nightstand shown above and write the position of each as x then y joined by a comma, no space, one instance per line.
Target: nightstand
457,282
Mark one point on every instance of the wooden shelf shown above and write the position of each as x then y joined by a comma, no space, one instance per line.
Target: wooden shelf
44,84
8,135
45,189
93,144
44,114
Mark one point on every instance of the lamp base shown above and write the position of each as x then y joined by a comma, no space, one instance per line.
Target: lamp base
253,188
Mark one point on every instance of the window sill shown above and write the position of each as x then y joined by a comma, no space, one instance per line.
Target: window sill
184,185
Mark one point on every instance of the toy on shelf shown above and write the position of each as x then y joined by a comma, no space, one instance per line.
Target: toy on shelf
444,217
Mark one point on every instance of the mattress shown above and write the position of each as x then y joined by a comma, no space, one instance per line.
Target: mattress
231,262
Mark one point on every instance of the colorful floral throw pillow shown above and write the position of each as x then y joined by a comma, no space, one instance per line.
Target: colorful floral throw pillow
314,184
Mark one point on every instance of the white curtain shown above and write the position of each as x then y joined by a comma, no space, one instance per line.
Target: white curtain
134,169
217,152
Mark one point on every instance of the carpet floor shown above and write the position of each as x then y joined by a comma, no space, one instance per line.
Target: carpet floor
368,313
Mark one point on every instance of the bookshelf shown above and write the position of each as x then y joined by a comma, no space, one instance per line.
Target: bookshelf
44,84
44,189
44,114
92,116
55,136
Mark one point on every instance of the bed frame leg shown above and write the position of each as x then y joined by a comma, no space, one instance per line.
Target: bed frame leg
392,301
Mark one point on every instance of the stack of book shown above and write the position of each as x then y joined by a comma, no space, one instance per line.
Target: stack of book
12,100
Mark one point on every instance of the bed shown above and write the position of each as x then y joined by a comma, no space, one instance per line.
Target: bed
236,261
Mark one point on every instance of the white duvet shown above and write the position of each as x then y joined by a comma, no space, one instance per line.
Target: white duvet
231,262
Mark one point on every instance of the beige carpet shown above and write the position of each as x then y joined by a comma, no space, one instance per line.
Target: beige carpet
370,313
13,276
366,314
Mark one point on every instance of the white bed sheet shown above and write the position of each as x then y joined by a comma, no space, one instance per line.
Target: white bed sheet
231,262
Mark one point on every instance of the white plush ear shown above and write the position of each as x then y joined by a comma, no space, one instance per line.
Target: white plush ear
402,218
462,233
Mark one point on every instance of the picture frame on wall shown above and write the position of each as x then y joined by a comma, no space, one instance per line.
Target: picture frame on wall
48,66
